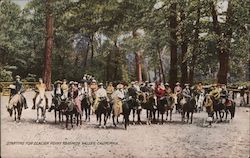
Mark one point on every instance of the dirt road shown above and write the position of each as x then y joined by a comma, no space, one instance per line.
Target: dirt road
31,140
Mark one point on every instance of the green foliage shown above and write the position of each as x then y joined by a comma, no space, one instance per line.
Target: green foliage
109,25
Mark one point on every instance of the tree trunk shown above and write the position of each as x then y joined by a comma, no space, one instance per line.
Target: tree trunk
162,79
222,50
173,45
196,46
92,47
48,46
138,66
184,47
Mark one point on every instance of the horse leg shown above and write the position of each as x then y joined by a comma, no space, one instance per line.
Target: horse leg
139,116
55,116
226,114
105,120
37,120
166,115
77,119
19,113
100,120
158,115
15,113
171,114
187,117
216,113
182,116
162,118
86,113
113,118
67,119
89,109
133,116
44,115
59,114
71,120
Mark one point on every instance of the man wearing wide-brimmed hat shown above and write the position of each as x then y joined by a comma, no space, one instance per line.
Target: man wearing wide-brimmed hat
18,89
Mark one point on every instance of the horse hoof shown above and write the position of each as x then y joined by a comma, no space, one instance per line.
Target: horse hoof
44,121
37,121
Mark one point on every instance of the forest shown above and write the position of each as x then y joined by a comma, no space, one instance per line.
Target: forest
125,40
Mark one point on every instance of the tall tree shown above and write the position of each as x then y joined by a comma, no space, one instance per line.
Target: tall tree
173,44
48,45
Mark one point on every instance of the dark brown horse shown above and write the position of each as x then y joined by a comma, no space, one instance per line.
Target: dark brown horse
188,107
56,100
69,109
86,107
103,108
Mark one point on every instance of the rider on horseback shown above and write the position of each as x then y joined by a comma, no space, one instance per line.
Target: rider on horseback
65,89
110,90
168,90
40,89
85,91
73,94
118,96
101,94
186,92
159,92
18,90
58,92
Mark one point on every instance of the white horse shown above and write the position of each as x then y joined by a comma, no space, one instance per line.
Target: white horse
41,104
15,104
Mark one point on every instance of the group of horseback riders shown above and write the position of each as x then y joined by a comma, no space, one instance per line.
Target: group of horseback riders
93,93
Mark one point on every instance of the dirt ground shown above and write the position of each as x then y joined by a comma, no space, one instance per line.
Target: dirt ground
31,140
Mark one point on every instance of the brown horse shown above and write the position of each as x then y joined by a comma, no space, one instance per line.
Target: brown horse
16,104
69,110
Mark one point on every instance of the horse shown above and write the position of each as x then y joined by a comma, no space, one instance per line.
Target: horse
230,108
170,106
56,100
161,108
86,107
16,104
135,108
103,108
148,103
40,103
219,107
69,109
125,113
188,107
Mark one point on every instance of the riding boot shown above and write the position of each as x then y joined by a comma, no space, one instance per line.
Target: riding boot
34,102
